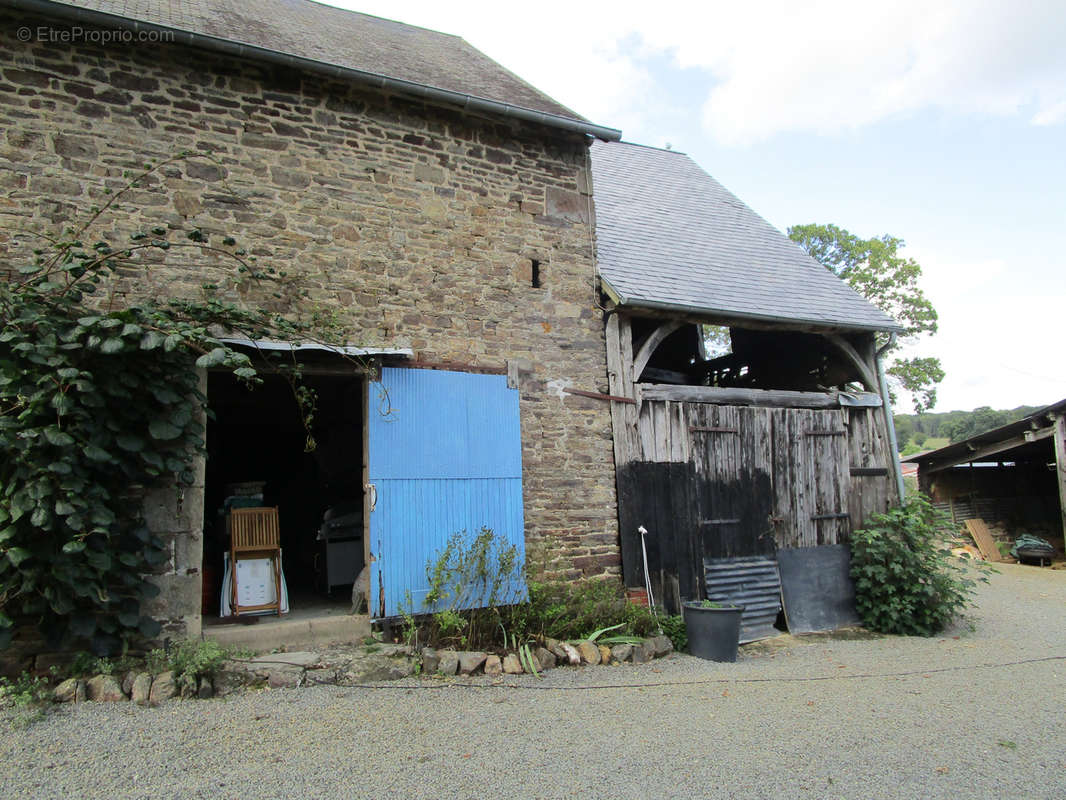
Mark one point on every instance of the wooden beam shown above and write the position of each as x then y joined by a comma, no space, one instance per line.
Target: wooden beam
651,344
987,451
866,375
1060,464
620,382
725,396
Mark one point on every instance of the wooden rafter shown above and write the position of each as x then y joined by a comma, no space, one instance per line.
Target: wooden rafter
980,453
651,344
866,373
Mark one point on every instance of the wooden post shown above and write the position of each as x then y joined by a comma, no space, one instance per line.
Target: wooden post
1060,464
620,381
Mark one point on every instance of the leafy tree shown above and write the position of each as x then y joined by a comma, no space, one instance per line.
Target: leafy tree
980,420
876,270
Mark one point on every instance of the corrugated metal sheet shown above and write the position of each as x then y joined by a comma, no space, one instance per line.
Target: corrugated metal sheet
445,455
752,582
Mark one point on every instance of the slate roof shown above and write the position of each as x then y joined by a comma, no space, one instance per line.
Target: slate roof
668,235
347,39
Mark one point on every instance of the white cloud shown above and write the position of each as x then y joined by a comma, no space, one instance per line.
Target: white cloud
772,66
993,356
835,66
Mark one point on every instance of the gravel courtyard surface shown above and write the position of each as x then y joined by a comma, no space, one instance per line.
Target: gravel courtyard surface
971,714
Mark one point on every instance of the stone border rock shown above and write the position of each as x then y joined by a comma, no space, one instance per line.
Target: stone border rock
550,654
347,666
142,688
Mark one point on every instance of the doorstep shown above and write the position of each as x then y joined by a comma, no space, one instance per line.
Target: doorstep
271,632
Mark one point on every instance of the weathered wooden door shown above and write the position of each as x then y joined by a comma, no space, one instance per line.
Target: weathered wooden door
731,448
810,476
445,455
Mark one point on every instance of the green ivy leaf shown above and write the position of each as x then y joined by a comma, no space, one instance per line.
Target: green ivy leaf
148,627
95,453
58,438
159,429
74,547
112,345
212,359
165,395
83,625
17,555
129,442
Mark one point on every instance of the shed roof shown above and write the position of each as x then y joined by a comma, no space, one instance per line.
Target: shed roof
1029,438
321,34
668,235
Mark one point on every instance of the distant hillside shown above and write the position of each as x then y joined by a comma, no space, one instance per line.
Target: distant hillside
917,432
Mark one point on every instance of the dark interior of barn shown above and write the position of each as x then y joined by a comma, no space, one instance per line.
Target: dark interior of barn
260,453
746,358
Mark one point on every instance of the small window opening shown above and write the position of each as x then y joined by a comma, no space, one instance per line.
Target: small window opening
535,273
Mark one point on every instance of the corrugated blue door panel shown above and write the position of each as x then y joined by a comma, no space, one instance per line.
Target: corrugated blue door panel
447,457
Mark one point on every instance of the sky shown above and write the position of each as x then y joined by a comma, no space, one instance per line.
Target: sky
942,122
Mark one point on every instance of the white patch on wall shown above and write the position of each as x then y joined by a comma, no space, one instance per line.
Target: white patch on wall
559,386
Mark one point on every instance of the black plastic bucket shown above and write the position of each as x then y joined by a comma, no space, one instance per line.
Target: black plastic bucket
713,633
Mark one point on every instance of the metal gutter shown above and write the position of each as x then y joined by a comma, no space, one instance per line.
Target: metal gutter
467,102
890,423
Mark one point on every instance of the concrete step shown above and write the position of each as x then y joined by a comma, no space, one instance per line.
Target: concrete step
304,631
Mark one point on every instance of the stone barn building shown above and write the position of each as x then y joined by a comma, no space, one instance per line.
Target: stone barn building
441,211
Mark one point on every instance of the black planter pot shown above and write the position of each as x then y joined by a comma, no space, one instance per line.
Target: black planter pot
713,633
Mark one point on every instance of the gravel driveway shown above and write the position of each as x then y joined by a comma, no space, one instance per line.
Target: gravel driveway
972,714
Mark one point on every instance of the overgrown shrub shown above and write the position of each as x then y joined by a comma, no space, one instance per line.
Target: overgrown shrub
906,580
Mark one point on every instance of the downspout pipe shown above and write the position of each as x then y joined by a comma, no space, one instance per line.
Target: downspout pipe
466,102
886,405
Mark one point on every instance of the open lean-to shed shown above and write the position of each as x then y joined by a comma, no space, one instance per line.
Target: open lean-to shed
1014,475
784,441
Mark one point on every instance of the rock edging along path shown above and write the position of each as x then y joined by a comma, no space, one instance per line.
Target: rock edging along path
349,666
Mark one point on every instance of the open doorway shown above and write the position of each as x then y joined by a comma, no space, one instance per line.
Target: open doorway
258,454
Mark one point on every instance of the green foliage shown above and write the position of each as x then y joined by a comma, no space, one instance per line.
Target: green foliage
189,660
951,426
194,659
479,569
578,610
674,628
27,695
471,580
96,402
564,611
906,581
876,270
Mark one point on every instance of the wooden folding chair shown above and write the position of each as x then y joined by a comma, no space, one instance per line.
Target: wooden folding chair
254,533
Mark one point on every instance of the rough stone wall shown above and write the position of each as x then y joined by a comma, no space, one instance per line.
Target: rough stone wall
416,225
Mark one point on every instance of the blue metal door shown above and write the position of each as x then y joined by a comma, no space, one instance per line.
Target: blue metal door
445,456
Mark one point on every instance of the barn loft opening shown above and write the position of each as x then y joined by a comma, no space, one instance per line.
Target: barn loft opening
738,357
